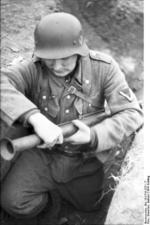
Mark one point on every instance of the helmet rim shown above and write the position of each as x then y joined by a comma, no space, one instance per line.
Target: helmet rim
62,52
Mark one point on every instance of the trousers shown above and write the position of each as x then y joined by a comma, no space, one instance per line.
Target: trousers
25,189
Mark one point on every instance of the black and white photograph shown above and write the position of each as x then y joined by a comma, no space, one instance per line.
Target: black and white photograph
72,121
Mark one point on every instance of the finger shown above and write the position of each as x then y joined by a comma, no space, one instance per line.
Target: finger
60,139
42,146
47,145
51,144
79,124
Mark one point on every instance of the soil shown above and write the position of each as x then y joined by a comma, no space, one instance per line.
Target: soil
112,26
129,191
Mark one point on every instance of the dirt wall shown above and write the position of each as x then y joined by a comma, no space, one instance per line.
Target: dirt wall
130,190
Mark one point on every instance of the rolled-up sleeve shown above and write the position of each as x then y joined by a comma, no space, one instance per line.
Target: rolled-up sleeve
126,117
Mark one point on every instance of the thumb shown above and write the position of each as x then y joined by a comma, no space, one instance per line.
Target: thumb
80,125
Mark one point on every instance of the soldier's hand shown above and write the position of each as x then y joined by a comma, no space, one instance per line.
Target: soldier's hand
50,133
82,136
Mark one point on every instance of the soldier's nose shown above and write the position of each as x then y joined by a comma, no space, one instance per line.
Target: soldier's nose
57,64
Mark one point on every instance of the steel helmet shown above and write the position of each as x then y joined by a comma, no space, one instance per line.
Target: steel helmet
59,35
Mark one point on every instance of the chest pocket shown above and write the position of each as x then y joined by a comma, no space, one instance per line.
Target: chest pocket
86,104
97,102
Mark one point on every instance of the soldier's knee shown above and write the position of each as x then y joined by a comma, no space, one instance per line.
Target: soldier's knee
22,205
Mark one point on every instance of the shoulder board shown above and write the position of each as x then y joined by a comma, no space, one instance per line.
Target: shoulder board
100,56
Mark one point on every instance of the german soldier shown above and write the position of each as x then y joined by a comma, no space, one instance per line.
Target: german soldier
63,81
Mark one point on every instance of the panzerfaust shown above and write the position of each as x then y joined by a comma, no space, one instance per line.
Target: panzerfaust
9,148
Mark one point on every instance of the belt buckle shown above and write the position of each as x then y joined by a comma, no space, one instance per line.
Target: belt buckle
68,153
72,89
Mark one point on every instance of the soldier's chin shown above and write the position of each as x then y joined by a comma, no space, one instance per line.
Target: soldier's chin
61,73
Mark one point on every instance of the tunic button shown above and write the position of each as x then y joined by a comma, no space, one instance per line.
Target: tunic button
44,96
68,97
46,109
67,111
87,81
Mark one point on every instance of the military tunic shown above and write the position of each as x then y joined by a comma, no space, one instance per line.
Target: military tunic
29,87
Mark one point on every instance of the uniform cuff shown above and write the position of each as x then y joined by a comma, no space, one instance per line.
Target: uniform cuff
24,118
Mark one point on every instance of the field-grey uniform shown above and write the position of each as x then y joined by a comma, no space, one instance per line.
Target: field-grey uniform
29,87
